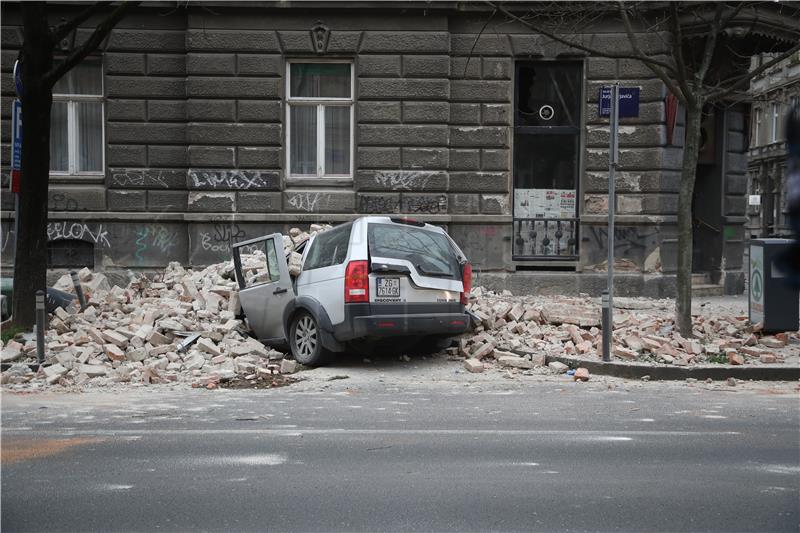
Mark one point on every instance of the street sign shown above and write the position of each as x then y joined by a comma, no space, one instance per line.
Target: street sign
16,144
18,78
628,102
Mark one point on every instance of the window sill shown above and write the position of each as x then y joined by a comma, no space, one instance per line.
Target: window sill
77,178
320,182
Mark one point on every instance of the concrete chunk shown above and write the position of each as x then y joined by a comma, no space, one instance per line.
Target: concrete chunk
92,370
288,366
515,362
482,350
473,365
115,337
208,346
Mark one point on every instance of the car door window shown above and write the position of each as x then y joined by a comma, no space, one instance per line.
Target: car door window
260,264
328,248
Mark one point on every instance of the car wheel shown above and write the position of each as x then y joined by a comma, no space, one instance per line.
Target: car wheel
305,340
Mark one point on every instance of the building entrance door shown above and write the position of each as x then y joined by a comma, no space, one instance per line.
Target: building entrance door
547,129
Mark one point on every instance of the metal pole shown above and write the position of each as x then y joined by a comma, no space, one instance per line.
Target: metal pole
78,289
613,159
606,325
41,318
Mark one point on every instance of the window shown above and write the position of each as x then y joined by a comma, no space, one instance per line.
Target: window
757,128
775,119
428,251
329,248
76,121
319,131
259,263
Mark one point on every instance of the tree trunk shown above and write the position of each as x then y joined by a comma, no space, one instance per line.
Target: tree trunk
30,262
683,300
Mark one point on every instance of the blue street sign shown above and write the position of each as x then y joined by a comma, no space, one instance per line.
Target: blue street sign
628,102
16,144
18,78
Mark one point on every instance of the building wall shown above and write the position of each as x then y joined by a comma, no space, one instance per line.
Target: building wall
195,118
779,87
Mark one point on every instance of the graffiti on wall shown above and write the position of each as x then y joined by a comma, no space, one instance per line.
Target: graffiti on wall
403,180
378,204
220,237
232,179
141,178
309,201
82,231
430,205
157,237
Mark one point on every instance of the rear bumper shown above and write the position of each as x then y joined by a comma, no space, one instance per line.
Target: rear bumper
384,320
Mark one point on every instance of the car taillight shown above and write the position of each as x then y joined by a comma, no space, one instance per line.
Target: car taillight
356,282
466,280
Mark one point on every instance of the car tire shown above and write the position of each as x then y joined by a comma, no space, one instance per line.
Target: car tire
305,340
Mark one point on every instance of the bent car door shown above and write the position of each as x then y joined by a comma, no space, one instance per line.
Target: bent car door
265,288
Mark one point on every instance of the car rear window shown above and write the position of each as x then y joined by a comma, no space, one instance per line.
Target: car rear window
428,251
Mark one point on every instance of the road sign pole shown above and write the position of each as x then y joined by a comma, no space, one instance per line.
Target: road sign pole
613,159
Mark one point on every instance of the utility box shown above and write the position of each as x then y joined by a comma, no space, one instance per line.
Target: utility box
770,300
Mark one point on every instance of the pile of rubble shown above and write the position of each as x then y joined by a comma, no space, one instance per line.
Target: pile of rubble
177,327
520,332
182,326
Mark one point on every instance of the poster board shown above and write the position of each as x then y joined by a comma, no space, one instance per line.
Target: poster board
544,203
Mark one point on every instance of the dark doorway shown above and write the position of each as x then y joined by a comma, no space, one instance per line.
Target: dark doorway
547,129
709,196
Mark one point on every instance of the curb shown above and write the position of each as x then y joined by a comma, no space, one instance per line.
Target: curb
665,372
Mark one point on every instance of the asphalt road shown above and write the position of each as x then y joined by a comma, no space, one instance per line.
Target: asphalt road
544,456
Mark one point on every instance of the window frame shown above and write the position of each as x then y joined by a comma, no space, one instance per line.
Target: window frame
757,127
775,118
320,104
73,151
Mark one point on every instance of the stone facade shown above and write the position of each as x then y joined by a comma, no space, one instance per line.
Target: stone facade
195,135
773,93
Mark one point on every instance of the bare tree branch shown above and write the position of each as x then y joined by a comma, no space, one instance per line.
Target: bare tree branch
744,79
739,6
578,46
477,38
60,31
100,33
675,88
677,46
711,45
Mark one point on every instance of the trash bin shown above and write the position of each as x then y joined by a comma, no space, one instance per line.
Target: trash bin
770,300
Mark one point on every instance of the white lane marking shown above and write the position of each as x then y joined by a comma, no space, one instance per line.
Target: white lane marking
781,469
263,459
715,417
647,420
612,438
112,486
342,431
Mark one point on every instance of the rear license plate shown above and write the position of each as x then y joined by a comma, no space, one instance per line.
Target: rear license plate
387,287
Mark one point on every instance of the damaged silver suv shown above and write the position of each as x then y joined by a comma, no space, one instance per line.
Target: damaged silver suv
370,279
